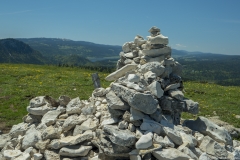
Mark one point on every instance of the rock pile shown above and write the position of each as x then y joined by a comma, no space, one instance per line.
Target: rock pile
137,117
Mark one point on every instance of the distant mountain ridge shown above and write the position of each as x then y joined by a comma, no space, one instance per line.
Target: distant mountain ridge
15,51
50,47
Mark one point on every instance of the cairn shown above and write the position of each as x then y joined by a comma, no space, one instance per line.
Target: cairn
138,117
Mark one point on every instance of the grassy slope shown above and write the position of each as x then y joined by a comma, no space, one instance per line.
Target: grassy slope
20,83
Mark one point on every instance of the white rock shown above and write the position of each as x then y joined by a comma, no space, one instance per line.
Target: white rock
168,142
50,117
41,110
133,78
166,51
4,138
37,156
11,154
99,92
89,124
159,39
71,140
170,154
188,139
121,72
123,125
37,102
42,145
154,67
72,121
172,86
175,93
31,137
207,127
126,47
155,89
173,135
155,59
144,142
75,151
187,151
74,106
204,156
51,133
211,147
115,102
191,106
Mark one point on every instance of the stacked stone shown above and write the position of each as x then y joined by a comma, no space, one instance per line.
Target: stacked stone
137,117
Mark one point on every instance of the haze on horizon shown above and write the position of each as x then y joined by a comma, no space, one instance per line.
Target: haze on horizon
201,25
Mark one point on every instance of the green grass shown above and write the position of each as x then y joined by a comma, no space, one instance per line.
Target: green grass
20,83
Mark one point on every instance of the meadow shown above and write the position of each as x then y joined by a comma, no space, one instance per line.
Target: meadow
19,83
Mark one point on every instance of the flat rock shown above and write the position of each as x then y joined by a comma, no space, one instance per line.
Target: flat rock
135,99
89,124
23,156
75,151
175,93
154,67
115,102
165,51
40,110
188,139
121,72
173,135
145,141
11,154
170,154
206,127
155,89
133,78
119,137
50,117
213,148
159,39
51,155
152,126
37,156
31,137
71,140
37,102
72,121
154,147
74,106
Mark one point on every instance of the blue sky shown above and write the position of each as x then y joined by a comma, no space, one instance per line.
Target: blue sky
191,25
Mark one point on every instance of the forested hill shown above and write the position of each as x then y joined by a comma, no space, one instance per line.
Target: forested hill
55,46
15,51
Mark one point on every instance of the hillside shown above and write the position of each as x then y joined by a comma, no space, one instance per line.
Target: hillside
15,51
53,46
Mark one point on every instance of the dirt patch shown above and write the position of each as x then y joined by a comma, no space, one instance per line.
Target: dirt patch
4,128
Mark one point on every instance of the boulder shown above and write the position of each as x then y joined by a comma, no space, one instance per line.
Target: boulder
135,99
165,51
11,154
50,117
121,72
159,39
115,102
119,137
155,89
145,141
40,110
213,148
72,121
154,67
170,154
31,137
173,135
206,127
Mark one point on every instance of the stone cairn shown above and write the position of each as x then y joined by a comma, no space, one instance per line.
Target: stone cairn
138,117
